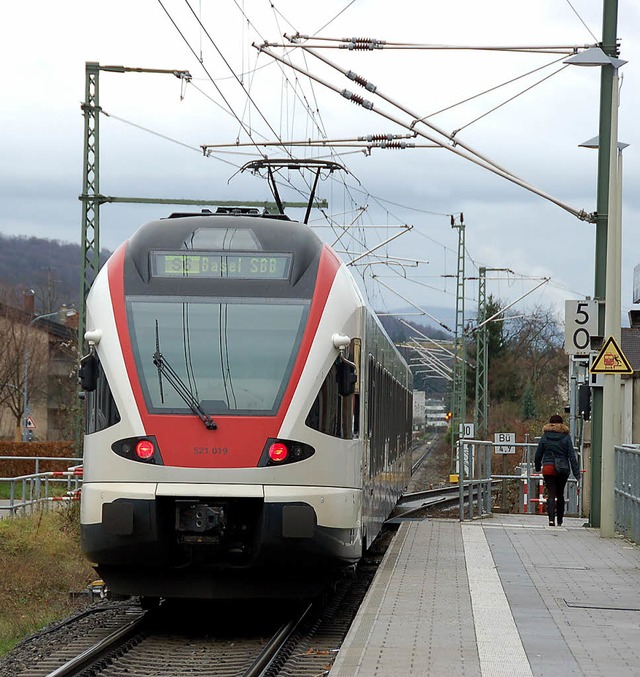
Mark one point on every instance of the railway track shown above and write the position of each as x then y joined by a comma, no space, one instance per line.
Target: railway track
200,639
221,639
422,502
176,640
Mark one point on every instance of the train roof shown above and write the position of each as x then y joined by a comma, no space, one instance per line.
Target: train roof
239,234
247,230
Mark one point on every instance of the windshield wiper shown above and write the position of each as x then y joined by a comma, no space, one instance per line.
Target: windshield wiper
166,370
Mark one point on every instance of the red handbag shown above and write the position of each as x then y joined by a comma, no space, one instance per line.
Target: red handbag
549,469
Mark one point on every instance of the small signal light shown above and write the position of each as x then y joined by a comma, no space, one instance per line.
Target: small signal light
145,449
278,452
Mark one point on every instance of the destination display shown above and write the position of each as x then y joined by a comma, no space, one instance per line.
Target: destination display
235,265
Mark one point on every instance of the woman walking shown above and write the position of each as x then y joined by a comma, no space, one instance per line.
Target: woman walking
555,455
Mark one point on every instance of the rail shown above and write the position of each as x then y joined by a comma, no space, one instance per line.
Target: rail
422,501
146,633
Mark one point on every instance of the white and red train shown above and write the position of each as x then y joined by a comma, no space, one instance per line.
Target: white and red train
248,420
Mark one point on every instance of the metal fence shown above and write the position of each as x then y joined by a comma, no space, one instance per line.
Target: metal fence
627,491
23,494
474,477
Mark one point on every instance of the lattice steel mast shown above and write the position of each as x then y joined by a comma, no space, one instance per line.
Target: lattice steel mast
92,198
482,354
459,393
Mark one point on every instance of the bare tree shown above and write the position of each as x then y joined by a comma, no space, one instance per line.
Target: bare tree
535,342
24,351
526,360
47,291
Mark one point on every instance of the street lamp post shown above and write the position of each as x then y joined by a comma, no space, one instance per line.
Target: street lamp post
25,388
605,426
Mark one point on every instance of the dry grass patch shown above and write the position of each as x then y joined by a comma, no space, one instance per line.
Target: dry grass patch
40,563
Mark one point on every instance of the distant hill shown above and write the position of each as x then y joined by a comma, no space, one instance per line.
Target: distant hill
50,267
400,333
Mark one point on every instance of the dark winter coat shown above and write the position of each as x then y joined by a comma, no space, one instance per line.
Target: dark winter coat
555,447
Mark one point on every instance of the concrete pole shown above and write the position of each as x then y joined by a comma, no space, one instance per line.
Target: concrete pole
612,409
599,439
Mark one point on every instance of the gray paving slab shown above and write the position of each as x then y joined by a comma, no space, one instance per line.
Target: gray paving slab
585,591
417,617
506,595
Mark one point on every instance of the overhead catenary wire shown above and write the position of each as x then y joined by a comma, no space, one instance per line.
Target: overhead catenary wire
229,111
406,229
243,126
228,65
492,89
195,54
411,303
310,111
381,144
509,100
375,140
166,138
368,105
449,136
361,244
582,21
428,338
370,44
503,310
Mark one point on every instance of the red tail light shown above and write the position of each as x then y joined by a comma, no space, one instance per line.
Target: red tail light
145,449
278,452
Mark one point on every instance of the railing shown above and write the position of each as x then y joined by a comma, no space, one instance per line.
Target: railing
26,493
474,474
627,491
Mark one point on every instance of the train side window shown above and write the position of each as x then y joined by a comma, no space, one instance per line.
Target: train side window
389,411
100,408
333,413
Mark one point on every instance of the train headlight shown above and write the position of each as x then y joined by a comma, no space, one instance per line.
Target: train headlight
145,449
283,452
141,449
278,452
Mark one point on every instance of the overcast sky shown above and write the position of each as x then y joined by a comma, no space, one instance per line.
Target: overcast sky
44,47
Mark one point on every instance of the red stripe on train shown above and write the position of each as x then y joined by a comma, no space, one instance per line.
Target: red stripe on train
239,440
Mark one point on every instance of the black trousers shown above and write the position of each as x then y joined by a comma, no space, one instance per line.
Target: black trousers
555,495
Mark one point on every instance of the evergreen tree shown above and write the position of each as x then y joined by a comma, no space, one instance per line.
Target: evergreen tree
529,407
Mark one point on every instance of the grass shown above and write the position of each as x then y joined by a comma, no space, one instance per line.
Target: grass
55,489
40,563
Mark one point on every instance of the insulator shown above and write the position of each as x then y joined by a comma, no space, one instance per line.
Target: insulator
363,82
357,99
373,41
398,145
361,43
378,137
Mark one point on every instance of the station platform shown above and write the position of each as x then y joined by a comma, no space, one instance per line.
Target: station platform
506,595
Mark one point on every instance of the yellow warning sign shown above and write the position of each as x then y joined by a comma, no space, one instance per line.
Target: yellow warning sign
611,360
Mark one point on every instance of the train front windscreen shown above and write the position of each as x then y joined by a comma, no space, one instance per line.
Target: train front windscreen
232,356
